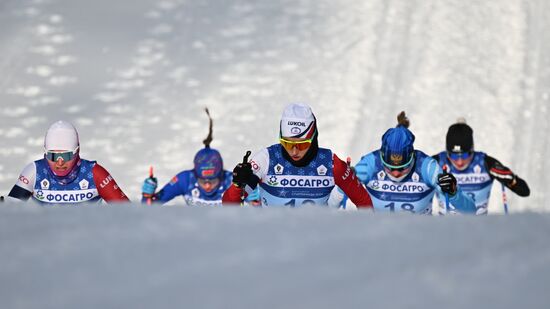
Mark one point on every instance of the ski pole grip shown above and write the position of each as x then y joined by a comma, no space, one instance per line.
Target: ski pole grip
245,158
150,199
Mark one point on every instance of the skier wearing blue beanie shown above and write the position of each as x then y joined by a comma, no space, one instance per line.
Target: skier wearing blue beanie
201,186
402,179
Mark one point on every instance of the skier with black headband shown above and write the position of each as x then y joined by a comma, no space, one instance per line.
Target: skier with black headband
402,179
295,171
62,177
201,186
475,170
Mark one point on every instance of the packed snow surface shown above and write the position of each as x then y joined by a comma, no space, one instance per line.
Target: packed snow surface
178,257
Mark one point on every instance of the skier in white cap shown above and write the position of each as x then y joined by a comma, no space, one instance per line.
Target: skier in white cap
295,171
62,177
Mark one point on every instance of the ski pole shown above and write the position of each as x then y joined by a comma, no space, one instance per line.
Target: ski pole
504,199
245,161
447,207
150,199
1,199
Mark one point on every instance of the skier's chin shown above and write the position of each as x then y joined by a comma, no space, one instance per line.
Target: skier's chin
61,172
461,167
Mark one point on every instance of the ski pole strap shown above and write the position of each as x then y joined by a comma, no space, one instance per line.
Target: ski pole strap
504,199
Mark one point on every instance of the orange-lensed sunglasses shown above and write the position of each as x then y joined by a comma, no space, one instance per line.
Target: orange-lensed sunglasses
300,145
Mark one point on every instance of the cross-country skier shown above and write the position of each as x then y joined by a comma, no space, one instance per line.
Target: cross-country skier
201,186
295,171
475,170
402,179
62,177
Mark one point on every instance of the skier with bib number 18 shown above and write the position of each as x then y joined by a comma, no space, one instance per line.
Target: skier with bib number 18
402,179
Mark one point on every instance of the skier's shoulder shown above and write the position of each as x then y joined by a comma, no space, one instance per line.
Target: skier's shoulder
368,159
261,157
89,162
183,177
32,167
27,177
429,167
440,157
227,178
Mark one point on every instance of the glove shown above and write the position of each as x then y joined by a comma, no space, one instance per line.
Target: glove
149,187
243,175
447,182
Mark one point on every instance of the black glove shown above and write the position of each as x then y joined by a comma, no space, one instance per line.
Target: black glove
447,182
243,175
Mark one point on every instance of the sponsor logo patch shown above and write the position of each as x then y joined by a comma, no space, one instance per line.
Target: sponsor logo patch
45,184
304,181
24,179
106,181
272,181
61,197
391,187
381,175
474,178
477,169
322,170
83,184
296,123
415,177
279,169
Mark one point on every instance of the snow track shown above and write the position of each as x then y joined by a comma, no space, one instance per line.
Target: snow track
134,78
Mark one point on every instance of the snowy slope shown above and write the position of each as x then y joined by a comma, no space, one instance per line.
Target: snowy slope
177,257
135,75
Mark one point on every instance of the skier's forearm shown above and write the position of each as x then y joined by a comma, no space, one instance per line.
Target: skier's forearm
519,187
107,186
20,193
232,196
345,178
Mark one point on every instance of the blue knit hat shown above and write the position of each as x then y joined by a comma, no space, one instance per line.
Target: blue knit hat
397,146
208,164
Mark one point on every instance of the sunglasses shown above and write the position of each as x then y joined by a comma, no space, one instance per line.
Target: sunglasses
300,145
459,155
398,168
64,155
213,181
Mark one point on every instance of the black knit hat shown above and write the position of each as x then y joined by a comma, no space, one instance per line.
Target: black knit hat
460,138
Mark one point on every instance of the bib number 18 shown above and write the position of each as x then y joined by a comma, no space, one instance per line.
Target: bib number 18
405,207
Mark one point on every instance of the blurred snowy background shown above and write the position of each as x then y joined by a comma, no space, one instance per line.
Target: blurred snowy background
134,77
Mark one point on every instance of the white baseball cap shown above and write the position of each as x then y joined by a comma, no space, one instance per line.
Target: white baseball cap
298,121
